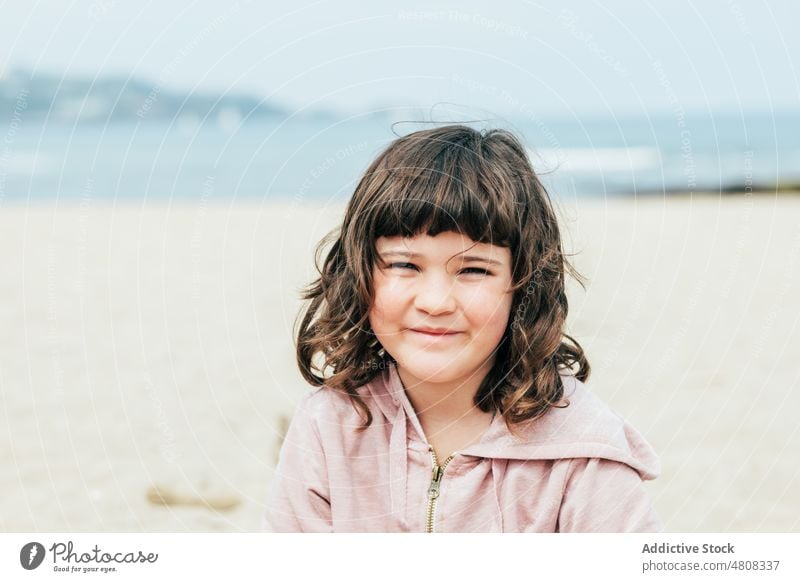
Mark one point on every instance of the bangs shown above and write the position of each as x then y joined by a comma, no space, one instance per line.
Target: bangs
452,189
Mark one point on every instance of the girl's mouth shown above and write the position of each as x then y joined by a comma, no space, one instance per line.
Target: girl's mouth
435,334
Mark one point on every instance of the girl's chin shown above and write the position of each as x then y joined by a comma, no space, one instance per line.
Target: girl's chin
437,372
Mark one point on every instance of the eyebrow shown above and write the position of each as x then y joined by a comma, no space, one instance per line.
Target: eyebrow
465,258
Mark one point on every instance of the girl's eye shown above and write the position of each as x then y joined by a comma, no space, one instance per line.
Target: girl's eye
401,265
468,270
477,270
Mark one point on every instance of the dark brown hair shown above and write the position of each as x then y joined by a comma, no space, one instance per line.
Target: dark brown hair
451,178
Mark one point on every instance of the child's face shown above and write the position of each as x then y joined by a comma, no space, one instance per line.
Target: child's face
439,288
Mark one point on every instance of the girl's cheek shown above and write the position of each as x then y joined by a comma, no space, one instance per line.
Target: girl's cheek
384,304
393,289
490,299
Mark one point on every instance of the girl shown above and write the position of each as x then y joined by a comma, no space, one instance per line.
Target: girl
450,398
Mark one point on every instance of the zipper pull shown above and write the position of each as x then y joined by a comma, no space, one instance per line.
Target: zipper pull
436,480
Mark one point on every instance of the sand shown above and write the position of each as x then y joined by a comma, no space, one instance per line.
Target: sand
147,357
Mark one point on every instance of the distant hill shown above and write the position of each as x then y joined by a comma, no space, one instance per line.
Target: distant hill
117,98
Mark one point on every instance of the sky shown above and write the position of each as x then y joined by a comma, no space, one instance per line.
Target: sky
513,58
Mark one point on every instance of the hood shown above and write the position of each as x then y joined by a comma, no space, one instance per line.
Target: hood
586,428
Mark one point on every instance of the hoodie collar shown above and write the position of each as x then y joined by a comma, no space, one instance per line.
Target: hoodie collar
585,428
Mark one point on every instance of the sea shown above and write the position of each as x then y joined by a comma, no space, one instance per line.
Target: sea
321,158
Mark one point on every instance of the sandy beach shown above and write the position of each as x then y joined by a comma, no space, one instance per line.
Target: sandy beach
147,356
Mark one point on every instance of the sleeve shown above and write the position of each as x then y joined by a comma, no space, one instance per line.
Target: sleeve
605,496
299,499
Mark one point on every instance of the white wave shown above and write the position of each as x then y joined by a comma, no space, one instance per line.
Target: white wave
594,160
26,164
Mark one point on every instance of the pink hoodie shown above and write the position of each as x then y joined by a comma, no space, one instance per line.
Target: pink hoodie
576,469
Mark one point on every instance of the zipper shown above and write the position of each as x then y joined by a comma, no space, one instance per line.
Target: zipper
433,488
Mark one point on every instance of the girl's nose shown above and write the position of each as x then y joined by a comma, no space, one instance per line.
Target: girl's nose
435,295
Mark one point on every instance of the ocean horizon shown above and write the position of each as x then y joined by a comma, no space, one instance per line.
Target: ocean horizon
321,158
